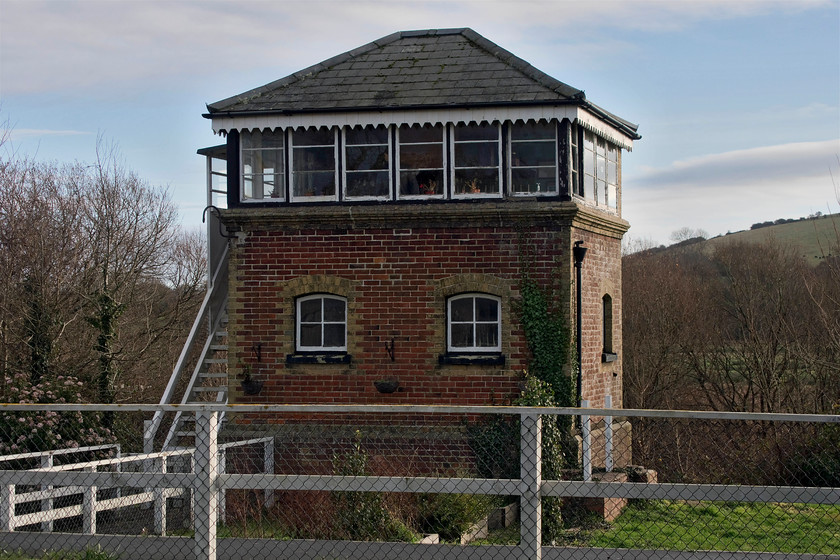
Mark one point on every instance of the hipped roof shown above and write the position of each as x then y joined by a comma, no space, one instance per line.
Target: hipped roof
407,70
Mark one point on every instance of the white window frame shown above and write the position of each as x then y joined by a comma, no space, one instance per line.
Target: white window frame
298,323
399,169
555,190
346,172
603,193
256,150
336,159
474,349
499,167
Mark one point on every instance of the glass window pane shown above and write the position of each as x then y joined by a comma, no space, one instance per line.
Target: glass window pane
589,187
601,170
367,157
486,309
533,130
334,310
476,132
310,311
534,180
334,336
461,335
612,172
367,135
367,183
314,159
482,154
421,183
411,134
421,156
312,137
310,335
487,335
612,196
476,181
318,183
532,153
461,309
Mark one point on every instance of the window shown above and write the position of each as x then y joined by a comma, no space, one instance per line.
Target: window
263,173
366,163
313,165
474,323
321,324
607,323
533,158
476,160
600,171
420,161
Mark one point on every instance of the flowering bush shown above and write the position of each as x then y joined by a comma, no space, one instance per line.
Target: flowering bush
22,432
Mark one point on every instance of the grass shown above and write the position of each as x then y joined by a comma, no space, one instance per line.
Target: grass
811,529
89,554
669,525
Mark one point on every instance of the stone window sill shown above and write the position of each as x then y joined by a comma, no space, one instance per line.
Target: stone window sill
452,359
608,357
319,358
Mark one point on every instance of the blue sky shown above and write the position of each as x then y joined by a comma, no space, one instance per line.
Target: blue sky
738,101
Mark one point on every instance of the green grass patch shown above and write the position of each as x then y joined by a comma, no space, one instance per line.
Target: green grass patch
89,554
798,528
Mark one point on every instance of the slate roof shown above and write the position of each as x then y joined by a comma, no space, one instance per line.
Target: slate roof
409,70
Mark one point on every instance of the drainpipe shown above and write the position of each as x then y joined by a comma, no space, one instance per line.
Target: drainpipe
579,252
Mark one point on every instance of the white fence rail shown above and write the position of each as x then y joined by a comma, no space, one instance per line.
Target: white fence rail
204,482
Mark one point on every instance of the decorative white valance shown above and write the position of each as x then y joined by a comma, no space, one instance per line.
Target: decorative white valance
573,113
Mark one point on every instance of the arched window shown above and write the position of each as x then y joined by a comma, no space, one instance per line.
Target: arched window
474,323
321,323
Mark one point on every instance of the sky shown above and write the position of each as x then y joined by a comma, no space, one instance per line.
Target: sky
737,101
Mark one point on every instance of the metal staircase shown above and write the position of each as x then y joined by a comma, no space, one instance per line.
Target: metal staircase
208,382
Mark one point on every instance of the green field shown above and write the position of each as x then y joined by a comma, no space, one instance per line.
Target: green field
816,239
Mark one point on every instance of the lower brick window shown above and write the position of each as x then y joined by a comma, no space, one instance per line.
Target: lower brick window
474,323
321,324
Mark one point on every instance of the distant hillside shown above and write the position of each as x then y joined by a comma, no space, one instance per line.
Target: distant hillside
816,237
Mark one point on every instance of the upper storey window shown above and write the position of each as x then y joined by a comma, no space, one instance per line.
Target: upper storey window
476,160
533,159
263,173
600,171
314,175
366,163
421,161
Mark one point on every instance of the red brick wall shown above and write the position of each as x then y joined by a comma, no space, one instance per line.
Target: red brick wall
601,274
396,281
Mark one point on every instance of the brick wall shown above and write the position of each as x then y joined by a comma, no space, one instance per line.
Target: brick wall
397,265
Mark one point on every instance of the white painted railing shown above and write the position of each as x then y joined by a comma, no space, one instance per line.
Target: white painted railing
208,481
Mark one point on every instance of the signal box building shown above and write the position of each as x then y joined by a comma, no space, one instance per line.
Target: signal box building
382,208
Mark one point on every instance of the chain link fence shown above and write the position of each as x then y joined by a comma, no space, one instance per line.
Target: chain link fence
335,482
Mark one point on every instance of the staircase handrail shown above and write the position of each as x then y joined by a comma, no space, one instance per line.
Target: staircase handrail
200,320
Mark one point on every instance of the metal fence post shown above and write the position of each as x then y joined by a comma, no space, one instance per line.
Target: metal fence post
7,507
530,471
586,443
608,437
206,491
47,504
268,457
160,501
222,493
89,507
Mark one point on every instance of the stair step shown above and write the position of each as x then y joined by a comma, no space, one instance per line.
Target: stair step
218,347
220,333
206,375
218,389
184,434
215,361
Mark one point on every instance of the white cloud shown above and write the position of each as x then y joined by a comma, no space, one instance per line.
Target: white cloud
67,45
733,190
